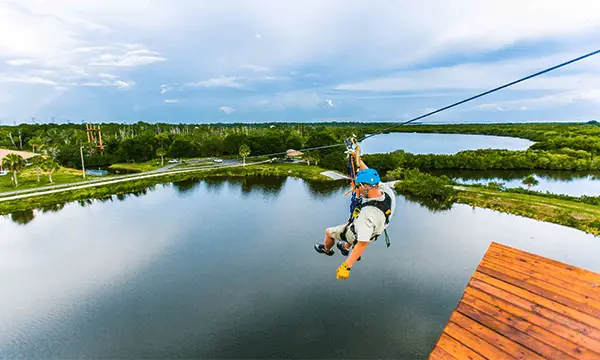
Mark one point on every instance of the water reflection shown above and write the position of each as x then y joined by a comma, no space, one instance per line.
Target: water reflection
322,189
186,186
214,184
52,207
156,282
22,217
433,205
266,186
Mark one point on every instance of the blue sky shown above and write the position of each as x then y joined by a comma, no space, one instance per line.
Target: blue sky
253,61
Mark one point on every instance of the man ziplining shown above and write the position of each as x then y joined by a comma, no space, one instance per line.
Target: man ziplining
369,218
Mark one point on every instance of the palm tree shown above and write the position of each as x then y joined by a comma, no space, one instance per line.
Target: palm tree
37,162
308,159
51,151
244,151
36,143
161,152
50,166
14,163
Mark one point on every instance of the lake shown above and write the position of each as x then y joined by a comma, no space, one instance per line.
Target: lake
421,143
225,268
572,183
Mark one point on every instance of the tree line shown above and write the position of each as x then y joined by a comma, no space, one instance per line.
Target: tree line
572,146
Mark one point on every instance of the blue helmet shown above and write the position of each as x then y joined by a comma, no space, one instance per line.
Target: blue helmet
367,176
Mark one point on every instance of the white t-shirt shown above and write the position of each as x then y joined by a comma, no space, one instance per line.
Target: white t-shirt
370,220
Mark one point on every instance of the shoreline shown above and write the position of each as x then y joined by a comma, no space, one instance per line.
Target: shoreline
575,214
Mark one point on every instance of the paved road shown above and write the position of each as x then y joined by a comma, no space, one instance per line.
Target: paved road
21,194
96,180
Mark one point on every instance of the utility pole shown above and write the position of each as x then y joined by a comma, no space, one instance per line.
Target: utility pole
82,163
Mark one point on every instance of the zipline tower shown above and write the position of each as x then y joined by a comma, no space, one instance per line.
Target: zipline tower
94,135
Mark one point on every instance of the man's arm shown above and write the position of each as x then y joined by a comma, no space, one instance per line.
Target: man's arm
356,252
361,164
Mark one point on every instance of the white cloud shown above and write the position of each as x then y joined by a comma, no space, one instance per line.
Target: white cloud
223,81
478,76
293,99
227,109
165,89
25,79
107,80
80,40
108,76
256,68
237,81
126,58
171,101
544,102
19,62
329,103
125,85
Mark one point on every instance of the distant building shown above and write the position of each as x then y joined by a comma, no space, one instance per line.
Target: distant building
293,153
25,154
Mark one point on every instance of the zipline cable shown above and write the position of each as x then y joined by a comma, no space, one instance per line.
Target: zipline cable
451,105
485,93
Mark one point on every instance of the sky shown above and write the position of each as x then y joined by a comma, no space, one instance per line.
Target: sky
196,61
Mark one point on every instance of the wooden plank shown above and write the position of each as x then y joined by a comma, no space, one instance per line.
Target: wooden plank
553,327
478,345
539,347
541,291
544,275
551,313
456,349
439,354
590,278
560,308
494,338
519,305
593,304
534,331
561,272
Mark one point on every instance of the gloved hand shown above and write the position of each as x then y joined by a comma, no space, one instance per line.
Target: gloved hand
343,272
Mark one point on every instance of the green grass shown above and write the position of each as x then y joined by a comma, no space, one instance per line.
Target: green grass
302,171
106,191
28,179
578,215
138,167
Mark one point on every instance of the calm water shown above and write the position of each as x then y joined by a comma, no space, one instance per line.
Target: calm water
226,269
418,143
556,182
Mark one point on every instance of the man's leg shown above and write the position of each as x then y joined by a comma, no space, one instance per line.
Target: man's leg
332,235
329,240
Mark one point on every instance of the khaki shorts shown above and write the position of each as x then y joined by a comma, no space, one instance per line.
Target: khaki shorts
336,233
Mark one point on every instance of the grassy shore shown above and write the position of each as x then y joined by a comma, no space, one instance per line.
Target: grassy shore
567,211
104,191
578,215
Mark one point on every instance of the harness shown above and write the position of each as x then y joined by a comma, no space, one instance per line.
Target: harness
385,206
356,203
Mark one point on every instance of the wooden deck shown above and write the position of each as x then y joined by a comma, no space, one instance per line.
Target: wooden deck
519,305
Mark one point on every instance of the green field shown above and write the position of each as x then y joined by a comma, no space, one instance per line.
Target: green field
28,179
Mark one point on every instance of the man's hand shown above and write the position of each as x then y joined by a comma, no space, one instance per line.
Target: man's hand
343,272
